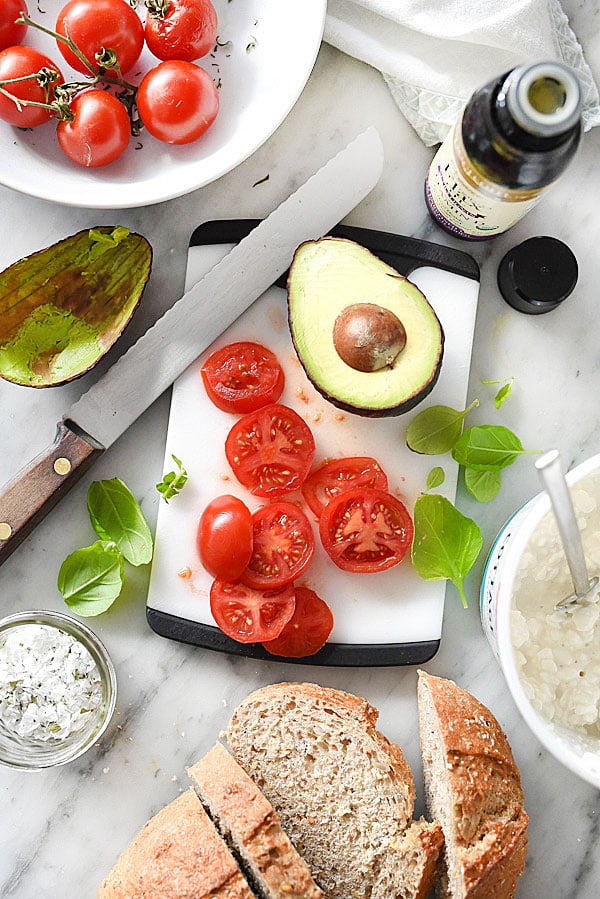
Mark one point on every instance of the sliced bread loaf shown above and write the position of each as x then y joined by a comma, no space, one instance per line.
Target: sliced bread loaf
344,793
472,786
251,827
178,854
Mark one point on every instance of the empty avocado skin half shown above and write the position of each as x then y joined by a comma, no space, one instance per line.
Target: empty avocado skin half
63,307
331,274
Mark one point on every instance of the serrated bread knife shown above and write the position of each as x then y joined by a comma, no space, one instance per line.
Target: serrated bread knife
151,365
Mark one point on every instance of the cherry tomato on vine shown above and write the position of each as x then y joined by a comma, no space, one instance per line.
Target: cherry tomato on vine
11,33
337,476
270,450
96,26
18,62
177,101
242,377
225,537
366,530
282,546
251,616
180,29
307,630
100,131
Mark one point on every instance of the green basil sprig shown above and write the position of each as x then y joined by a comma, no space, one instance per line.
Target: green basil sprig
446,543
483,485
173,482
435,430
435,478
91,579
488,448
503,393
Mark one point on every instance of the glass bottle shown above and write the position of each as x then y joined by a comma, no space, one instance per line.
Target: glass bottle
515,136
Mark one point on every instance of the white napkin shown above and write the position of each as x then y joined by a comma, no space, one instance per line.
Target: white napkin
434,54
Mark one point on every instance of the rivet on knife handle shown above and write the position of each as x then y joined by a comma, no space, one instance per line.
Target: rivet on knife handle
37,488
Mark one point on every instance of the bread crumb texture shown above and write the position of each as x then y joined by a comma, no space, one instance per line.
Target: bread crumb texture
344,793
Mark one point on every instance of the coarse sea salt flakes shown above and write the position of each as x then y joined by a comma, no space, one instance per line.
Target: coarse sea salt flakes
49,683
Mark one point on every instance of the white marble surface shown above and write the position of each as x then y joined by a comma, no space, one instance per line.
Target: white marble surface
61,831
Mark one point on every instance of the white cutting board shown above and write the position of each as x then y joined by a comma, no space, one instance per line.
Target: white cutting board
391,607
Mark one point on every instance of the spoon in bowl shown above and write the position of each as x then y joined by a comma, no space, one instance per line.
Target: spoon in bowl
555,484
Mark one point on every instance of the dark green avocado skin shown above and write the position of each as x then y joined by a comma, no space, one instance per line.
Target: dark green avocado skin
391,411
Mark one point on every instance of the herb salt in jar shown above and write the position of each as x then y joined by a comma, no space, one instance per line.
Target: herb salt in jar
57,689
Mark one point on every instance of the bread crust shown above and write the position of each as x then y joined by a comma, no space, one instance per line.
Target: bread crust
244,813
486,824
177,854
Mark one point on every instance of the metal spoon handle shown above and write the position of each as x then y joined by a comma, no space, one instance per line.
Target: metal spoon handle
552,478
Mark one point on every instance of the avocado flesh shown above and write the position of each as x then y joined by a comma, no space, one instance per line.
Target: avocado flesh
331,274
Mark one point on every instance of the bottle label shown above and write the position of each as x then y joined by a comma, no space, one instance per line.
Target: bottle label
457,203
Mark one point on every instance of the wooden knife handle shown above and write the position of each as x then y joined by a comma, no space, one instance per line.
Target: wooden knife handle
36,489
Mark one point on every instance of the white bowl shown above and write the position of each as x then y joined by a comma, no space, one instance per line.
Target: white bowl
581,754
262,72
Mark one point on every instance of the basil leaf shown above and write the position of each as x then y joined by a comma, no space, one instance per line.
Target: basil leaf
483,485
90,579
436,477
487,448
116,515
435,430
446,543
502,395
173,482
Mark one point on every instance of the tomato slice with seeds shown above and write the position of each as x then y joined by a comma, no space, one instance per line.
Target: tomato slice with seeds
282,546
366,530
251,616
308,629
339,475
242,377
270,450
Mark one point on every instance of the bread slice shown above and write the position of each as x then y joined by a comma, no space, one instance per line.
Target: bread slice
251,827
344,793
178,854
472,786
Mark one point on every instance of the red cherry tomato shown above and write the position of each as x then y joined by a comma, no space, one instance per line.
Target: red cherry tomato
242,377
366,530
177,101
225,537
283,545
307,630
96,26
18,62
337,476
180,29
10,33
270,450
251,616
99,133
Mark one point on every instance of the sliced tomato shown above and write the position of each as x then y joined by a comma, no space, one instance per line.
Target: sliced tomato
366,530
283,545
270,450
339,475
308,629
225,537
241,377
251,616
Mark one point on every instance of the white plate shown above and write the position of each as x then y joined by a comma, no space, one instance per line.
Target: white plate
259,86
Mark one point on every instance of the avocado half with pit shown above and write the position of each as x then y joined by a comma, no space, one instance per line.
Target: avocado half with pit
63,307
366,336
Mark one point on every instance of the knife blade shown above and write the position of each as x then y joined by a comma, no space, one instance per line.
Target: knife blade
151,365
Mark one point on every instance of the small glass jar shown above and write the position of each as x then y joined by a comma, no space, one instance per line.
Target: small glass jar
35,754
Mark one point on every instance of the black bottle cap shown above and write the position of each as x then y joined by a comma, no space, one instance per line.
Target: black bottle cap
537,275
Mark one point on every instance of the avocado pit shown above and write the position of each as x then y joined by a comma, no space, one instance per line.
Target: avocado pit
368,337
